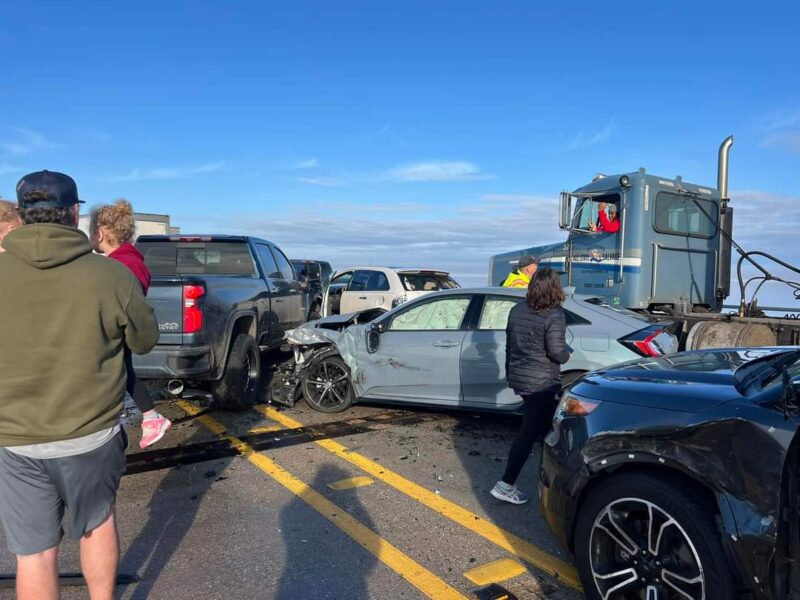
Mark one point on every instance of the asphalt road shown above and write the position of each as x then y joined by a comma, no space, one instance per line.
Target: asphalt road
289,521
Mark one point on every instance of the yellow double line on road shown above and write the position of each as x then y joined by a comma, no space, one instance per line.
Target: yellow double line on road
417,575
487,530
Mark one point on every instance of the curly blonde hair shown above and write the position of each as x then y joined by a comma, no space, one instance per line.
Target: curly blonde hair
9,215
117,219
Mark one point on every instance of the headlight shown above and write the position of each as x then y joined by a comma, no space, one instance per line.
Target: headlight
570,406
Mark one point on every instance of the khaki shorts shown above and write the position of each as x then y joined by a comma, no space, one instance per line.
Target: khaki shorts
34,494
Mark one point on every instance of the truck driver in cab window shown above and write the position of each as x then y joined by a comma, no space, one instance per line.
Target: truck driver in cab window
606,223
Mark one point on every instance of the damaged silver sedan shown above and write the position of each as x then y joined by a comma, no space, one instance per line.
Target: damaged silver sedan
447,349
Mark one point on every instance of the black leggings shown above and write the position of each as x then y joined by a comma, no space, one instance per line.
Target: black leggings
136,388
537,416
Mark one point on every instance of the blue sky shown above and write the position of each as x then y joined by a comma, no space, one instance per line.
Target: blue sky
406,132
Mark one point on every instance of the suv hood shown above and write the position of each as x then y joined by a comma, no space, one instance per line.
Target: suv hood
687,382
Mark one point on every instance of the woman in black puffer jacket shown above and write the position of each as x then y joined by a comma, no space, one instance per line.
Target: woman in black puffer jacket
536,347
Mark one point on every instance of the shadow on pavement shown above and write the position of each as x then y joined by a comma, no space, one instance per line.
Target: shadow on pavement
171,513
317,563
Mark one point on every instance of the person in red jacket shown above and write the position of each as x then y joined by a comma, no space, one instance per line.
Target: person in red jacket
606,223
111,231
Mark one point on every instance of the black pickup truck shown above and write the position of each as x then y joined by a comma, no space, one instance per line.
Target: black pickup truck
219,301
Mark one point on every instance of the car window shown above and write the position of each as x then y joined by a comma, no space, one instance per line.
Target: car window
268,262
427,282
683,215
573,319
369,281
446,313
342,279
200,258
494,314
284,266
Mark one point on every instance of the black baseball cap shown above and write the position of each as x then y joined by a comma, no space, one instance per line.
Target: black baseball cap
60,190
527,261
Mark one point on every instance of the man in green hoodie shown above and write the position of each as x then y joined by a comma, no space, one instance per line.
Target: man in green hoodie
67,316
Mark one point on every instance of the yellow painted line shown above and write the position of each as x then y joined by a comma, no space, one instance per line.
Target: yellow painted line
498,570
475,523
265,429
352,482
417,575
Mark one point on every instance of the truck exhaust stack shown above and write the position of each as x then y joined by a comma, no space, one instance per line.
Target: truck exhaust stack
722,169
725,225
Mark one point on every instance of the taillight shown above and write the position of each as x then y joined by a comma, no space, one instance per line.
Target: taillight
651,341
192,314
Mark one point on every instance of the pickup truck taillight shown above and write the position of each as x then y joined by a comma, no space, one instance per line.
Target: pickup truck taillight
192,313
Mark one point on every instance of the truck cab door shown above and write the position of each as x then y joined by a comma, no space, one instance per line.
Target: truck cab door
291,292
270,304
596,257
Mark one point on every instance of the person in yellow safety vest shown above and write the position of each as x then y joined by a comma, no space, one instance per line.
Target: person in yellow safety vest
521,276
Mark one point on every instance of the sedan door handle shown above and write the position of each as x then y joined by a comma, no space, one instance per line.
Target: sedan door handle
445,344
362,297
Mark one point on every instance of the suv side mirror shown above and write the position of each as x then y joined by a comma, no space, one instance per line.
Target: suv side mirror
564,210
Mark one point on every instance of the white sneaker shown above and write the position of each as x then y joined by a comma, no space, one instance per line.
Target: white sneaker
509,493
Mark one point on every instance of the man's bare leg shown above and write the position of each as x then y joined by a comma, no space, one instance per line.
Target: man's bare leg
100,557
37,576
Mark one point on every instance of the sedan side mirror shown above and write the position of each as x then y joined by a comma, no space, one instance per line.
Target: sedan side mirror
374,336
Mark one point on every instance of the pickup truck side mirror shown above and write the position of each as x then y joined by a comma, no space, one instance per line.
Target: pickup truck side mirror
564,210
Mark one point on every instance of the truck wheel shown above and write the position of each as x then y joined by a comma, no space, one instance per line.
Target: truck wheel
238,387
638,536
326,385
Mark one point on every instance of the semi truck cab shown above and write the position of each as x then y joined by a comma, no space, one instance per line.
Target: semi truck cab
667,256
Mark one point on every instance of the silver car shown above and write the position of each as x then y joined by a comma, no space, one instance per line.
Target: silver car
448,349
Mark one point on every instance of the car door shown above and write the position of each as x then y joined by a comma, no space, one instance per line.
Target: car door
483,356
332,301
275,308
368,289
293,297
419,352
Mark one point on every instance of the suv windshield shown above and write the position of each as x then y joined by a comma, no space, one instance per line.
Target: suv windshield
427,282
767,366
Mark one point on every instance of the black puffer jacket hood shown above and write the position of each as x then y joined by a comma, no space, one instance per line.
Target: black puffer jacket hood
536,347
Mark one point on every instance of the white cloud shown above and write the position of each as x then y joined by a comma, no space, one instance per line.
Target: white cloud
6,168
323,181
26,141
169,172
586,139
435,171
397,234
307,163
781,129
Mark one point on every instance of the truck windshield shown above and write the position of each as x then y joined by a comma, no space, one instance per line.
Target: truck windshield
197,258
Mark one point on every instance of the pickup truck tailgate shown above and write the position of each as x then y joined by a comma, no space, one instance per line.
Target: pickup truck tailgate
166,298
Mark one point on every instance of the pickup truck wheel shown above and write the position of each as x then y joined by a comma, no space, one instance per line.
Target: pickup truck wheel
326,385
238,387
